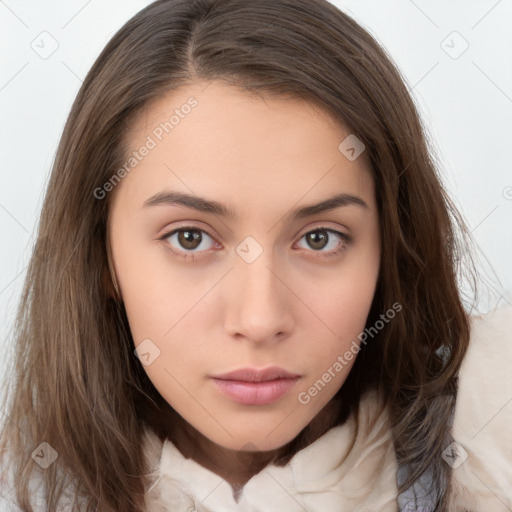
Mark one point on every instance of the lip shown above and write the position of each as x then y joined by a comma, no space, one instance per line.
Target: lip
250,386
257,375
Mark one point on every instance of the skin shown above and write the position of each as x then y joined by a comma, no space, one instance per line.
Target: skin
292,306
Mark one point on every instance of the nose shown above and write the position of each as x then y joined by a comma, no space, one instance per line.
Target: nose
258,302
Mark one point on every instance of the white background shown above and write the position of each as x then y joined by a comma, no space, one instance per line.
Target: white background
466,103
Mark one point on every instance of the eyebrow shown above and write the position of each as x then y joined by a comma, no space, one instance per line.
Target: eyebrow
209,206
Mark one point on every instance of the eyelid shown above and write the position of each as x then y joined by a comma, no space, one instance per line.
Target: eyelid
319,226
184,226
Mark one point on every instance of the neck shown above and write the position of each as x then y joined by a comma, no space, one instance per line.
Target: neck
238,467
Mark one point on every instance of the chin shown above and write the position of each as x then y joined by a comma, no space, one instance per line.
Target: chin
252,440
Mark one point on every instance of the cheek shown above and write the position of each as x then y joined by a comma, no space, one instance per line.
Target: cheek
158,293
341,304
173,328
342,299
344,305
168,313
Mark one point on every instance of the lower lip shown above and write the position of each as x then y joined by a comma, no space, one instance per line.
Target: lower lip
255,393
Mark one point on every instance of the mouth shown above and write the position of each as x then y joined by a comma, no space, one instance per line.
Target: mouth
257,375
254,386
256,393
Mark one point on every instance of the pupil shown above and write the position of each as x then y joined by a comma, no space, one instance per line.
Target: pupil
318,239
189,239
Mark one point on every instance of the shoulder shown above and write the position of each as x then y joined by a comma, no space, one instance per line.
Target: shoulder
152,449
487,363
485,374
8,498
492,329
482,454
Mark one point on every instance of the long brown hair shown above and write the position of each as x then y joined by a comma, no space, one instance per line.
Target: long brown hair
75,382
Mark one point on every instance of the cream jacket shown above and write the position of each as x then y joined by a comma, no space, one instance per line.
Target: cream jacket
352,467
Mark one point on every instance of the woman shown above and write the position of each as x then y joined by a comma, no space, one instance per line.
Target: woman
239,186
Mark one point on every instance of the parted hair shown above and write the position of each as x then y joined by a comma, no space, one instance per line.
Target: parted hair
74,381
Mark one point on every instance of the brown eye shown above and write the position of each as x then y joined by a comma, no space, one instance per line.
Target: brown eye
189,239
322,238
317,239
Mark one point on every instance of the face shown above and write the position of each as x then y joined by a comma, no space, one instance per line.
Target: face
235,272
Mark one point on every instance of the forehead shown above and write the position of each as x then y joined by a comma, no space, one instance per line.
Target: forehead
210,137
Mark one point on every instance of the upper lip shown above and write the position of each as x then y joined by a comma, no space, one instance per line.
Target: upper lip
257,375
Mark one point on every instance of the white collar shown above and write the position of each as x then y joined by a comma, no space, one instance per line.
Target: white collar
341,470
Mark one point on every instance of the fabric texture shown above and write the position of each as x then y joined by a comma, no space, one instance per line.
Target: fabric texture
353,466
482,474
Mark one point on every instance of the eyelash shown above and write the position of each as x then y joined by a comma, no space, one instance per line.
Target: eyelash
345,240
